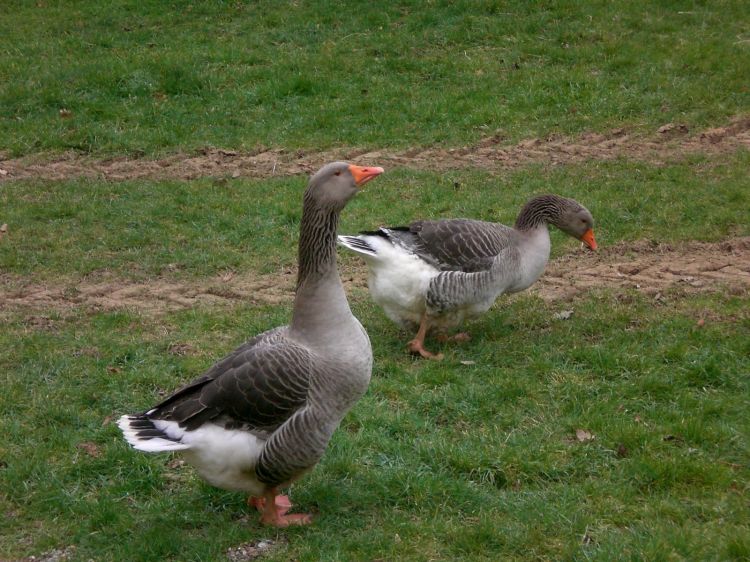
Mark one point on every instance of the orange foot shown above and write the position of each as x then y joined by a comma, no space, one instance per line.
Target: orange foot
286,520
415,346
282,504
275,509
460,337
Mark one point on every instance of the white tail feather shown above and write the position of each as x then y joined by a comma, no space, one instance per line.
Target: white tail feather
147,444
357,244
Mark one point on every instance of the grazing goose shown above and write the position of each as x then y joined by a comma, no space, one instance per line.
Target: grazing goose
434,274
262,416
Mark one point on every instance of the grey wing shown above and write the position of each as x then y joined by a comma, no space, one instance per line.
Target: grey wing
260,386
453,289
461,244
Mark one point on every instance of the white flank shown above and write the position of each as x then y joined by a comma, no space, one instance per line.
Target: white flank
398,279
225,458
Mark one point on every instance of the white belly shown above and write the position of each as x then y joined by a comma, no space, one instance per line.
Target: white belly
398,283
224,458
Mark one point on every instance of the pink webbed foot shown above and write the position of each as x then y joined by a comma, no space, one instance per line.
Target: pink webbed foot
283,504
287,520
416,347
461,337
274,510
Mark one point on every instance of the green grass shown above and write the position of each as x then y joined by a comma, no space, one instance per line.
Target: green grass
441,461
149,77
194,229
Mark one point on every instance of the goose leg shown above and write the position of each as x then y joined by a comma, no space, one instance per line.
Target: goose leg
276,516
417,344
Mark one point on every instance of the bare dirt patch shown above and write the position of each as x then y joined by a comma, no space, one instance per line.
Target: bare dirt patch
651,268
669,142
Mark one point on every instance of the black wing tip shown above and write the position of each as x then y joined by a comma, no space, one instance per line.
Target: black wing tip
144,429
357,244
384,231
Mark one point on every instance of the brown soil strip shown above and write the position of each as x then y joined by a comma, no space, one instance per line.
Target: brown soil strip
669,142
651,268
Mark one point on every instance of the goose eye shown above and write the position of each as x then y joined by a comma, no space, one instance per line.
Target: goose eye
337,173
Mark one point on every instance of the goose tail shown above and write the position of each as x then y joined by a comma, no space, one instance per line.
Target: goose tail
143,435
358,245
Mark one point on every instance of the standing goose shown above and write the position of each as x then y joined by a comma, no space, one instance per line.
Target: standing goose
262,416
435,274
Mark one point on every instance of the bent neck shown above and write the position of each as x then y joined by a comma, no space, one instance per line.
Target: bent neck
320,301
539,211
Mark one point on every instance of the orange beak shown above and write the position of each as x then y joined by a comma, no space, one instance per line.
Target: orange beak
363,174
588,239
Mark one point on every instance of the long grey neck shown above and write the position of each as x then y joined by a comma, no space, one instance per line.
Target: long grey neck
539,211
320,304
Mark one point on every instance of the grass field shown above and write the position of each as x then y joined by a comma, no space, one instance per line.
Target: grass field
142,77
619,433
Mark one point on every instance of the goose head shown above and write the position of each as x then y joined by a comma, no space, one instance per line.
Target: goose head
575,220
336,183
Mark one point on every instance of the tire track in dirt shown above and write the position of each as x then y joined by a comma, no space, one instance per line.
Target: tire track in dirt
669,142
651,268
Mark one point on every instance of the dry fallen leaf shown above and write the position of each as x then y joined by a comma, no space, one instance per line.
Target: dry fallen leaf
65,113
176,463
113,369
3,172
468,362
3,231
563,315
90,448
583,435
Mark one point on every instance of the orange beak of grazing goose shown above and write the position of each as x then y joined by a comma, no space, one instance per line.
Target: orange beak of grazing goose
363,174
588,239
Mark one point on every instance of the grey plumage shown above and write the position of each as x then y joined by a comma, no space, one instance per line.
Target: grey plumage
285,391
462,265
